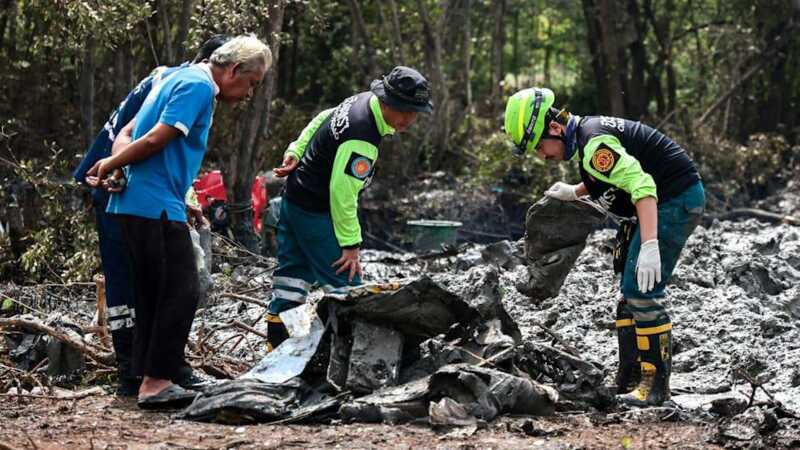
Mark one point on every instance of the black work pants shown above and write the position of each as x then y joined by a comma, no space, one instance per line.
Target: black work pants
166,292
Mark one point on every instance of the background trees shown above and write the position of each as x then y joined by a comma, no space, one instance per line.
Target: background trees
672,62
710,72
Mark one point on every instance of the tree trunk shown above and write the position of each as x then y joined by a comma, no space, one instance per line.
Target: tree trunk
467,55
548,53
118,87
4,20
167,53
13,10
515,50
183,31
498,42
87,91
242,164
439,130
638,96
361,30
608,44
396,31
593,40
127,70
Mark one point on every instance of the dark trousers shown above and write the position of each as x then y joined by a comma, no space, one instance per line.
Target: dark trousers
114,259
166,292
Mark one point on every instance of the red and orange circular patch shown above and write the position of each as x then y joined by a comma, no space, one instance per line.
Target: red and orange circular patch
603,160
361,167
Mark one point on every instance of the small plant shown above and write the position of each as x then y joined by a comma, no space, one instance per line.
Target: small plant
50,237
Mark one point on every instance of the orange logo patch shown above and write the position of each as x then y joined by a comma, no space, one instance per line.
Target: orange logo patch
361,168
603,160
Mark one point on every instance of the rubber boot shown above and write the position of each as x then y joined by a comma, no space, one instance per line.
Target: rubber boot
128,383
655,351
629,370
276,331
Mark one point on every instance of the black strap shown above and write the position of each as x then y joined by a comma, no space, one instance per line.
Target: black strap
537,104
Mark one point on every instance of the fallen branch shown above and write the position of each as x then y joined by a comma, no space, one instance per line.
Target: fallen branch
494,358
105,359
754,385
74,396
759,214
246,327
568,348
244,298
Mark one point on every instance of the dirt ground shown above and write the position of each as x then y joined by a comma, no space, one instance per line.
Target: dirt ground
107,422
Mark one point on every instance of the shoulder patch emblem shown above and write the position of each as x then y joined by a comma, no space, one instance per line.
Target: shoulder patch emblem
359,166
604,160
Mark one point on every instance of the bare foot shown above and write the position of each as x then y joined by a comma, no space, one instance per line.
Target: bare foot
152,386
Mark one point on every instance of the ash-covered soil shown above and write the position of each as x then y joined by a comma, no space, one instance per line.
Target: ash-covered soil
734,300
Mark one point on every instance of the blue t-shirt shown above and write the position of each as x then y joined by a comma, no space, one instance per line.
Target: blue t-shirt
127,109
184,100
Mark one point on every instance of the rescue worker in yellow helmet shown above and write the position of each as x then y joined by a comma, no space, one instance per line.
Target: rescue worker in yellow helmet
633,171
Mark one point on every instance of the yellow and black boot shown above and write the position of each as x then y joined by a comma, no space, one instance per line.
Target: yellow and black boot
629,371
276,331
655,352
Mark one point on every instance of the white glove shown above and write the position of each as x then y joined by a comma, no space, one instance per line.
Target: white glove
562,191
648,267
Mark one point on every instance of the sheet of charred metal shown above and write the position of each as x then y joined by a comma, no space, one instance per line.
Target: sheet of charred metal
421,308
63,359
28,351
449,413
579,382
551,248
487,393
504,254
244,401
375,358
432,354
747,429
396,404
480,289
338,362
290,359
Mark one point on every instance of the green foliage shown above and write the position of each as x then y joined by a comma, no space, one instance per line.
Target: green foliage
70,22
494,164
750,171
59,242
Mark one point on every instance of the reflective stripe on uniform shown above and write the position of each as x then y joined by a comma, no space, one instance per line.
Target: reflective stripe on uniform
624,323
289,295
121,310
329,289
297,283
653,330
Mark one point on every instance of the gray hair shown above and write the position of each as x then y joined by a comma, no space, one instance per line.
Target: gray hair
246,50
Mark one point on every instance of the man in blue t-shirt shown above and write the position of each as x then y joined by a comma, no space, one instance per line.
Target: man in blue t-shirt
170,135
113,252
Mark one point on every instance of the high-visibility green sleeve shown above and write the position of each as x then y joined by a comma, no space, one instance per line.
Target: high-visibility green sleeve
606,159
298,147
352,167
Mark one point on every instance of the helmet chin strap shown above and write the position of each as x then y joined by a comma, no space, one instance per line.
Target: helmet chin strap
567,137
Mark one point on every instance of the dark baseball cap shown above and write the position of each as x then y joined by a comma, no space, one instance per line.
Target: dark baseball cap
404,89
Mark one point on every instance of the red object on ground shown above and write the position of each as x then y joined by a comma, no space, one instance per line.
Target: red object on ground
210,187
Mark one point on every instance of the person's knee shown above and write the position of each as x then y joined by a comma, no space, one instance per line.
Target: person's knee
647,310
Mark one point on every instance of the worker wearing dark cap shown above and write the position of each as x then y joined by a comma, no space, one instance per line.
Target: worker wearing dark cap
332,160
